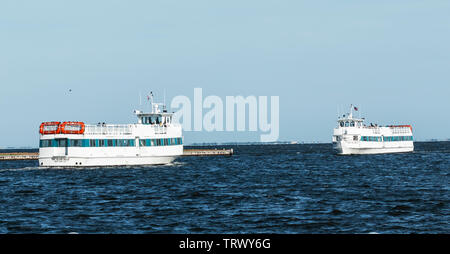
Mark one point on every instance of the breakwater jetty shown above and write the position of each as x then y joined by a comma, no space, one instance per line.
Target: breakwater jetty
186,152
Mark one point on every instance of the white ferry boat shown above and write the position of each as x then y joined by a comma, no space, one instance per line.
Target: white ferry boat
154,139
352,136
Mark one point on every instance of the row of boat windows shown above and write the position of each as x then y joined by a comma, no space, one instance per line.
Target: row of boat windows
109,142
155,120
387,139
350,124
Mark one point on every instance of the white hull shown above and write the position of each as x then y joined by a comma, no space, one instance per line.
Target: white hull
338,149
66,161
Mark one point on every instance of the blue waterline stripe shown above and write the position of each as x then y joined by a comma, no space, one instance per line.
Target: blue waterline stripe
108,142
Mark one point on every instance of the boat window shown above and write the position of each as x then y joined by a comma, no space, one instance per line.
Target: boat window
75,143
342,124
61,142
352,124
46,143
346,124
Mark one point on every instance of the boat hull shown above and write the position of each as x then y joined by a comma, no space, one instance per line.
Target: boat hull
65,161
341,149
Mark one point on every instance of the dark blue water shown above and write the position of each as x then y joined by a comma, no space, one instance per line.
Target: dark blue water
262,189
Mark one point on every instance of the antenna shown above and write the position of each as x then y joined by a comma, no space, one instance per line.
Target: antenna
351,111
150,98
164,107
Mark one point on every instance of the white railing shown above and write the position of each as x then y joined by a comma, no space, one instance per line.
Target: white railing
395,130
400,130
108,129
123,129
375,129
160,129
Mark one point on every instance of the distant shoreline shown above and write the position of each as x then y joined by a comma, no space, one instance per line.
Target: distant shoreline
290,143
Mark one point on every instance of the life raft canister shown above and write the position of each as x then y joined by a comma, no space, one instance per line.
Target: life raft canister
72,128
48,128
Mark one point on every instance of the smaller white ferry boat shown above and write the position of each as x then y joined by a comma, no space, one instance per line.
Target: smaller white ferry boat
154,139
352,136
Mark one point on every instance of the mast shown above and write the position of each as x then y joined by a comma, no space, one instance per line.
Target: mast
151,102
351,111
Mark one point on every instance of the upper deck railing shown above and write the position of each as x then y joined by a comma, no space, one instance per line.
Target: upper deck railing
123,129
109,129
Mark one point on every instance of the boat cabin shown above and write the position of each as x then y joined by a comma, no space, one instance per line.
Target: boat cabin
154,119
350,122
347,120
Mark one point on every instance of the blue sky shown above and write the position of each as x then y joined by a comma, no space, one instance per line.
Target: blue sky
391,58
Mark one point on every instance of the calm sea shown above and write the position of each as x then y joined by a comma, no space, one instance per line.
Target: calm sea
261,189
